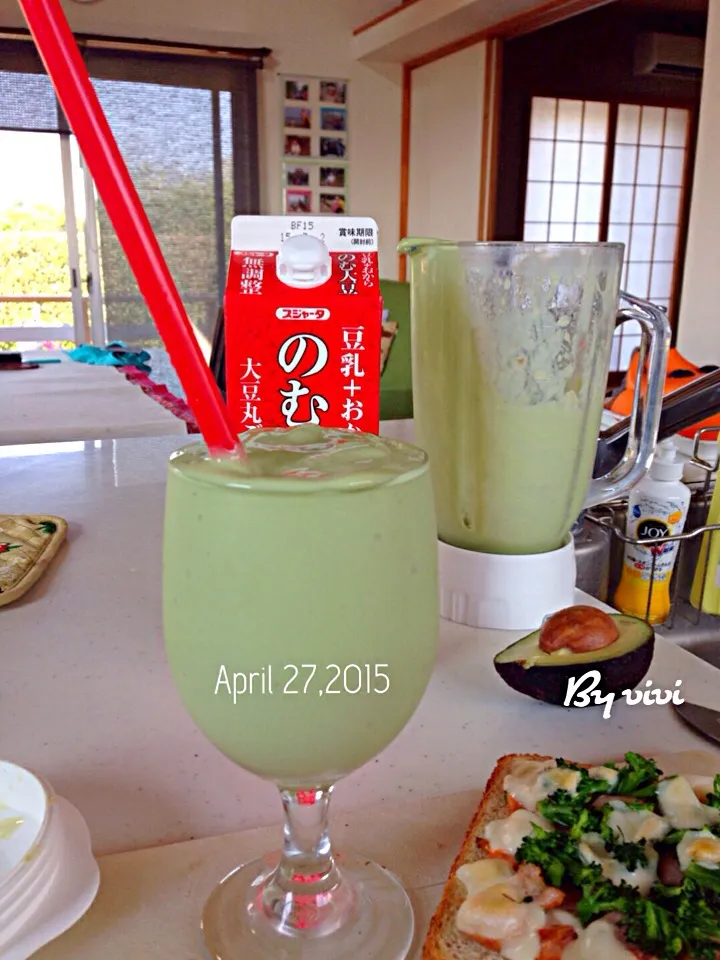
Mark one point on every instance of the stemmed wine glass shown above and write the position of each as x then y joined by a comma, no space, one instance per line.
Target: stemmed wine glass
301,621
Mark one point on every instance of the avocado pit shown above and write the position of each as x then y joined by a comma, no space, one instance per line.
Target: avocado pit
579,629
572,642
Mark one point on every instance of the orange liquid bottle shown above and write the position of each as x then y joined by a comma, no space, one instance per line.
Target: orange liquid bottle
657,508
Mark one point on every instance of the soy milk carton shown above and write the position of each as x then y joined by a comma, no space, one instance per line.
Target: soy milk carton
303,323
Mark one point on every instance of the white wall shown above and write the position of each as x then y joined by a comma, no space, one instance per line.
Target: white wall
699,328
311,37
446,145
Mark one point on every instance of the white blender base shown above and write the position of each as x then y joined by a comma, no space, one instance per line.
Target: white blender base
501,592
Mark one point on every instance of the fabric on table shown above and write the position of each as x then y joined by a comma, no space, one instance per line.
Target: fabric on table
160,394
115,354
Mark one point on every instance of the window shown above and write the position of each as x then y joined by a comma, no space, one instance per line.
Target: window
186,124
645,207
566,170
169,137
603,171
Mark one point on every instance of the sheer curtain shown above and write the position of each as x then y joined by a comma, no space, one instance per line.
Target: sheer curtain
191,146
27,102
166,137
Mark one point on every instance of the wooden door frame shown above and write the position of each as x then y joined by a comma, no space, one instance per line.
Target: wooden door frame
544,15
490,132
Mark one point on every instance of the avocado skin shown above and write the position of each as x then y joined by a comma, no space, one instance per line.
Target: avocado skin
550,684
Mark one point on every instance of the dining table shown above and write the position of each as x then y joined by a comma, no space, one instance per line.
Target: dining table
61,399
87,702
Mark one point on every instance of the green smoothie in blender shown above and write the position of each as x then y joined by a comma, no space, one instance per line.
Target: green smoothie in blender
511,348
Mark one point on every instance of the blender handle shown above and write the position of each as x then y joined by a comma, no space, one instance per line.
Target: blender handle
642,436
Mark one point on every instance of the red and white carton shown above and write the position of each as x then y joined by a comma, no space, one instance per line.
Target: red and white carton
303,323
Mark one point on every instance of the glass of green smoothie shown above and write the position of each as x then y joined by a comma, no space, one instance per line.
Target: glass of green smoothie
301,618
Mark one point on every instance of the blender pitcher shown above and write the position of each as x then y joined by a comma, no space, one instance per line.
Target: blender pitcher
511,348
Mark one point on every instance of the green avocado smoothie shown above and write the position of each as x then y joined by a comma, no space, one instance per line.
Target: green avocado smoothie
511,347
300,597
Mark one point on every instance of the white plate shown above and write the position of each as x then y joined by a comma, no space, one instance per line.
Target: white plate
24,804
61,894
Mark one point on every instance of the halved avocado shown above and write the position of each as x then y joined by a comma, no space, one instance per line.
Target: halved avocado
545,676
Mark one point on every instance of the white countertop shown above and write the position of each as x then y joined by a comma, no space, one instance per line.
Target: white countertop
77,401
86,698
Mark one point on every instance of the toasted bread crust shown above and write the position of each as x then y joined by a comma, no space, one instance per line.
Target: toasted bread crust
444,941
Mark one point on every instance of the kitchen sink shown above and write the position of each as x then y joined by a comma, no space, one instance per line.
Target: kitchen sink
697,632
599,553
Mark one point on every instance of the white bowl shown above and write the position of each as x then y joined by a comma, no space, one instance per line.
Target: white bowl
37,874
59,895
24,811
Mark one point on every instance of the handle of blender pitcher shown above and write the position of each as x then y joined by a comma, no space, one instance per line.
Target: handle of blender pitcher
642,436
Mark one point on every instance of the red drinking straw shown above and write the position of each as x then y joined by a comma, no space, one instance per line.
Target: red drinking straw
63,62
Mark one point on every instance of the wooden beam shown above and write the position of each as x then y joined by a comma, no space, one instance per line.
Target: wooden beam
553,11
610,136
684,220
495,153
383,16
131,45
405,163
543,15
486,138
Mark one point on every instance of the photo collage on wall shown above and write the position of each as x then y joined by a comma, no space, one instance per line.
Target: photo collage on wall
315,145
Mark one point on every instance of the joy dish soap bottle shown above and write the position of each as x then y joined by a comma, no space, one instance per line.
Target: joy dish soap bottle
657,507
